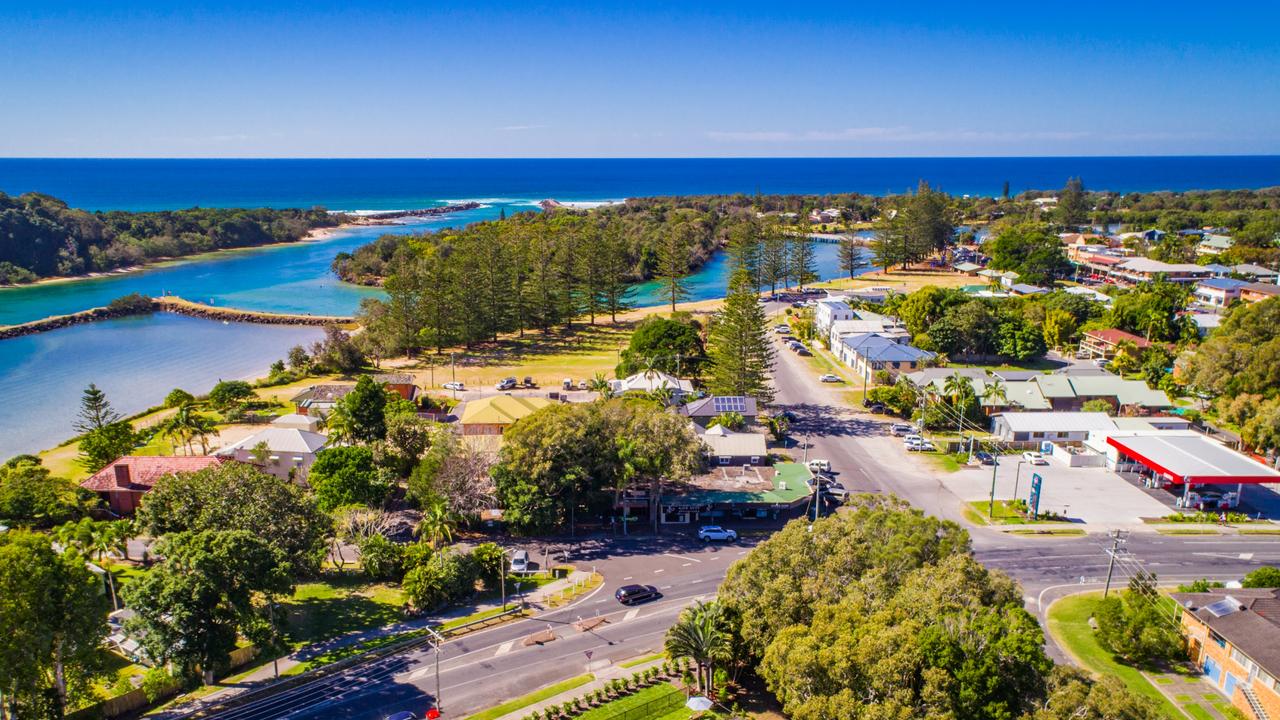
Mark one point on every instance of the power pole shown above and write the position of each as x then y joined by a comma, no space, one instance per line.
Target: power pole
1117,538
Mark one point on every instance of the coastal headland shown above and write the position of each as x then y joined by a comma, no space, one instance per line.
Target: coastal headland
170,304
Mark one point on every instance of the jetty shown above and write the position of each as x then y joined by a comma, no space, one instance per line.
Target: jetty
178,306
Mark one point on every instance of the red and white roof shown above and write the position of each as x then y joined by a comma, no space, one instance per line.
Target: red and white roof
1193,458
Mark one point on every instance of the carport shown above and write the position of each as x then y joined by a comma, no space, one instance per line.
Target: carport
1187,460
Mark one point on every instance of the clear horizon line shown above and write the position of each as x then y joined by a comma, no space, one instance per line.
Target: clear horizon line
634,157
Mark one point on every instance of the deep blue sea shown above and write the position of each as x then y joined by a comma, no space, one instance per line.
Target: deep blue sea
396,184
139,359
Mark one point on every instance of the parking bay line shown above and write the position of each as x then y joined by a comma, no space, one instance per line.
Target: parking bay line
659,570
681,557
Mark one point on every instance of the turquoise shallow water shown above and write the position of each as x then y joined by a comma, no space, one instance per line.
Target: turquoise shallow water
135,360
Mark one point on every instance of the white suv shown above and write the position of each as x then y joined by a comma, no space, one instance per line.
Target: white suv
708,533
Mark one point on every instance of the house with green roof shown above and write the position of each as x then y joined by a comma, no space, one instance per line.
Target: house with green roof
757,492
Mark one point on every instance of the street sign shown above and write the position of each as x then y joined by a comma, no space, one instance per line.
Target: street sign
1035,495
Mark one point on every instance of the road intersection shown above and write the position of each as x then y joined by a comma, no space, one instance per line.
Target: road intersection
487,667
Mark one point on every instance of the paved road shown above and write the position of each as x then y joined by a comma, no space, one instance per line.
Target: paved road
486,667
490,666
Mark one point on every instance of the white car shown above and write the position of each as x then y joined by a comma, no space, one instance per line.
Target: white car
818,465
709,533
835,490
520,561
1034,458
902,429
829,378
912,439
783,329
454,386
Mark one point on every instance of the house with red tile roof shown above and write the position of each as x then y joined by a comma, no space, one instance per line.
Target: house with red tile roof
123,483
1103,343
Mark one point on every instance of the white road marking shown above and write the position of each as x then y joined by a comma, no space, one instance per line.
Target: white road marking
1246,556
629,577
681,557
602,600
505,648
715,557
686,565
742,552
631,614
659,570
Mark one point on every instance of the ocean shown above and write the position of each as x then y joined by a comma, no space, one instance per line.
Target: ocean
398,184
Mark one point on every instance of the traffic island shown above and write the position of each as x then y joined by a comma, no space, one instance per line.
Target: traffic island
542,637
590,623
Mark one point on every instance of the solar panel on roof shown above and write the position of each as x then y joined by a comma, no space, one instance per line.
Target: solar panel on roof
724,404
1224,607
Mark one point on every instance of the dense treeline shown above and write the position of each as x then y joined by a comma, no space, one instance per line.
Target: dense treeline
40,236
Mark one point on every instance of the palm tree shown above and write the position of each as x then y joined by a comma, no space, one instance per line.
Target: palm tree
338,425
995,392
956,387
699,634
661,395
437,523
600,384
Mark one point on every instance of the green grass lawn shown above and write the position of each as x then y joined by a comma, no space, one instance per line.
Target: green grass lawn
524,701
1055,531
641,660
338,604
1197,712
1069,626
1187,531
645,696
976,511
946,462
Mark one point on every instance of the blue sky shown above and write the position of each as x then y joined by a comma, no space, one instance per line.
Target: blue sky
566,79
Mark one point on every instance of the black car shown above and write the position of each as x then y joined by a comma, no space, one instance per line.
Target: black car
985,458
632,594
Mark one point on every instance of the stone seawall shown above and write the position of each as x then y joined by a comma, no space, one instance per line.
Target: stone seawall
174,305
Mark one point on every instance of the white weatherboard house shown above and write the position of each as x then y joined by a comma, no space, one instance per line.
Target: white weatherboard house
290,451
1053,426
726,447
868,352
651,380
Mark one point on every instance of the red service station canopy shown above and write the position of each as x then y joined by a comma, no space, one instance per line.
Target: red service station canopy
1193,459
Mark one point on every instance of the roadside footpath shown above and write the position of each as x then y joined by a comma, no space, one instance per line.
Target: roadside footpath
544,597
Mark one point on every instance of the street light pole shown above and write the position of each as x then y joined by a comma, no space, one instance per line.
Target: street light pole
438,641
1017,476
991,507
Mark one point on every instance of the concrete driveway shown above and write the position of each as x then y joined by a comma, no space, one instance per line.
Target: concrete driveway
1094,496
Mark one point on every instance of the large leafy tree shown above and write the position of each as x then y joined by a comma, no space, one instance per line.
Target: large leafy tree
30,496
671,345
741,356
951,641
877,540
236,496
346,476
921,225
1071,693
365,410
1134,626
566,456
211,587
101,446
1242,356
1031,251
53,617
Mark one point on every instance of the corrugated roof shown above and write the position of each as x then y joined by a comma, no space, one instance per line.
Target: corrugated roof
722,441
878,348
280,439
500,409
1057,421
1194,457
710,407
789,487
1126,392
1055,386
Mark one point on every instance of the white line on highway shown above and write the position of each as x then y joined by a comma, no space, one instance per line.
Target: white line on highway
681,557
505,648
686,565
742,552
629,577
715,557
666,587
659,570
1246,556
602,600
631,614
